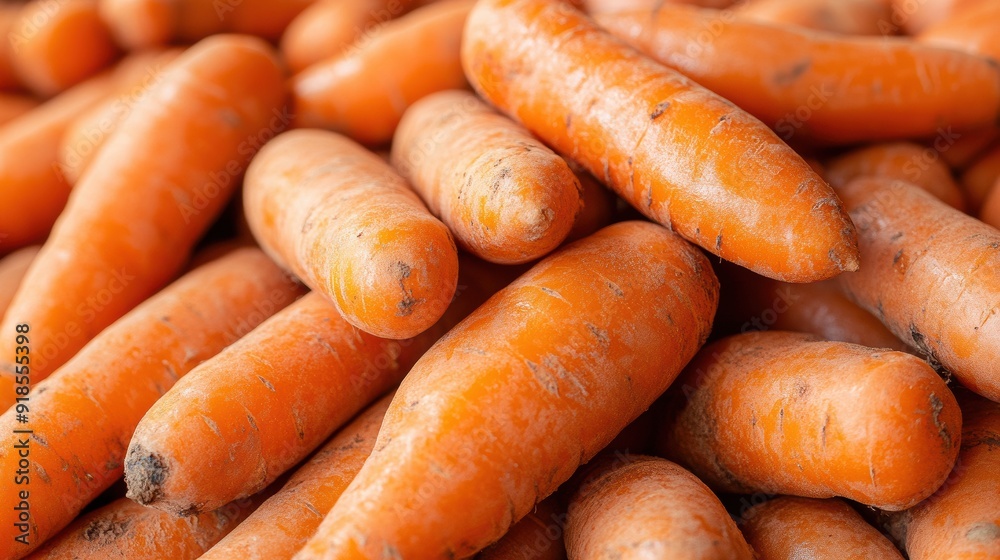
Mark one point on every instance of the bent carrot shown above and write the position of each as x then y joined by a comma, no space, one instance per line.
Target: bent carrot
14,105
537,536
915,17
342,220
972,30
903,161
364,91
978,179
56,45
928,274
644,507
83,416
823,88
848,17
282,525
535,382
128,235
680,154
506,197
12,269
790,527
787,413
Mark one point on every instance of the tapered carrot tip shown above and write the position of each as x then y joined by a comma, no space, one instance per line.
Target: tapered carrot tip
139,24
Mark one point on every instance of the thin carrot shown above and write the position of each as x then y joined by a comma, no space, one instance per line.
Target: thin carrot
599,206
364,91
346,223
155,187
977,180
788,413
57,45
972,30
534,383
928,272
8,17
634,506
915,17
13,105
32,190
790,527
112,382
506,197
283,524
849,17
537,536
677,152
821,87
12,269
903,161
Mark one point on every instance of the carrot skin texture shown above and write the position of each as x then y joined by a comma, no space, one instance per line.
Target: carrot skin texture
505,196
14,105
759,412
792,527
928,274
647,507
12,270
471,427
84,414
187,132
537,536
841,80
346,223
654,137
849,17
364,92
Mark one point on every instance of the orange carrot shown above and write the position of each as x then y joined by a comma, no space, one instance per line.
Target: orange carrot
849,17
990,212
972,30
12,269
763,412
680,154
537,536
364,91
8,17
928,272
915,17
531,385
903,161
55,45
347,224
155,187
83,416
960,150
14,105
32,190
283,524
599,206
505,196
644,507
789,527
820,87
979,177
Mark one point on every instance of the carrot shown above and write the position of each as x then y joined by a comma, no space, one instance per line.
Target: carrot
978,179
962,520
990,212
531,385
83,416
14,105
56,45
680,154
605,6
960,150
972,30
915,17
148,23
125,530
849,17
599,206
8,17
283,524
347,224
789,527
928,273
155,187
903,161
537,536
646,507
505,196
364,92
12,269
822,88
32,190
136,75
788,413
266,415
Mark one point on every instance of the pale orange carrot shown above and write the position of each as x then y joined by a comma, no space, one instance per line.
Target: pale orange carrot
850,17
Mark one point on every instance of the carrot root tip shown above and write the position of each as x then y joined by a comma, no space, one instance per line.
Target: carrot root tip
145,474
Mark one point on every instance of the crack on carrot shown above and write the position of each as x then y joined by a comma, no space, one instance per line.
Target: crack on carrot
920,343
616,289
718,243
936,407
826,423
600,334
266,383
793,73
253,423
544,378
659,110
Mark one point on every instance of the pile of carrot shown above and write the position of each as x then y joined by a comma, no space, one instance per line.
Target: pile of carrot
499,279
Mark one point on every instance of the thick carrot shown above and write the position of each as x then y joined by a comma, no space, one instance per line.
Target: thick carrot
12,270
283,524
605,6
599,206
790,527
915,17
148,23
978,179
32,190
635,506
972,30
505,196
13,105
157,184
364,91
125,530
820,87
8,17
534,383
849,17
56,45
928,272
962,520
903,161
680,154
537,536
788,413
83,416
346,223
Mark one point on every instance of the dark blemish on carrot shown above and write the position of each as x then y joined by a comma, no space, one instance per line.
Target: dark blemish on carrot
253,423
405,305
266,383
148,471
896,236
659,109
793,73
569,121
898,255
718,243
984,532
600,334
614,288
826,422
105,531
936,407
